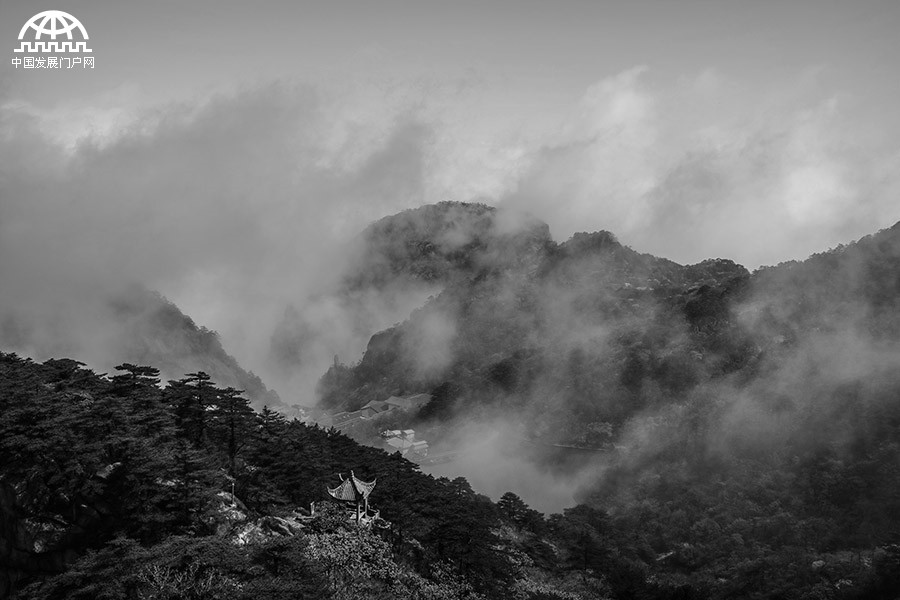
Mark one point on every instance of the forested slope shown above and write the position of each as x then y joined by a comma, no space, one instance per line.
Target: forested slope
118,488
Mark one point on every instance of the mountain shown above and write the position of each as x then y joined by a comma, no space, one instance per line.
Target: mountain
134,324
741,426
729,434
580,324
154,331
439,243
589,331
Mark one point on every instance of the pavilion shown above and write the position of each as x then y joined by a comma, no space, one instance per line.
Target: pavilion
356,491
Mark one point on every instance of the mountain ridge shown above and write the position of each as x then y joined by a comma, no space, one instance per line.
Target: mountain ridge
599,331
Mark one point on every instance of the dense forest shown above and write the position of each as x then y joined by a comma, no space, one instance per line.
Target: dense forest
113,487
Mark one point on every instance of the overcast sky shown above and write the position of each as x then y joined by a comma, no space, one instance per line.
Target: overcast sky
217,145
619,115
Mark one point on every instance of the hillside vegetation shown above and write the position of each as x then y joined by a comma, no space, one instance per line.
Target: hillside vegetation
737,436
117,488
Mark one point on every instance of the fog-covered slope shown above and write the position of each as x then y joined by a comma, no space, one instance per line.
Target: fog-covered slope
135,325
742,426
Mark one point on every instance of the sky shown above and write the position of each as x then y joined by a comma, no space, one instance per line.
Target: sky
224,153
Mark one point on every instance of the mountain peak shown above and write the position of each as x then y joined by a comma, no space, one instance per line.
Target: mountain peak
434,242
596,241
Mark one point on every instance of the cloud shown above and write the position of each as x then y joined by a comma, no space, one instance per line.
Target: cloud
494,459
233,207
708,168
240,205
599,166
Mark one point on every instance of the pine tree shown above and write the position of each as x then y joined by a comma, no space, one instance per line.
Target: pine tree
516,511
190,397
264,457
231,423
140,384
193,483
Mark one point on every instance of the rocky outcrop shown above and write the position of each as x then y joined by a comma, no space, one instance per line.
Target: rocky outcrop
267,528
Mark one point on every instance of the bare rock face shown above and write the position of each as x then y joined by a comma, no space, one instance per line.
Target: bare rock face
229,517
267,528
226,512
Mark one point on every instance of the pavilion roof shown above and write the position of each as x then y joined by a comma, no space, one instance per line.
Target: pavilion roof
352,489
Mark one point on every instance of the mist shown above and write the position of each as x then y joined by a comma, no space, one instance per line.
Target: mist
495,460
244,208
234,208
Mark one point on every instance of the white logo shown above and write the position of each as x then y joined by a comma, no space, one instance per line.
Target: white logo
53,23
53,32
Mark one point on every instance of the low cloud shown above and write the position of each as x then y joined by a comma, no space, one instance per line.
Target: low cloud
495,459
234,208
244,207
705,168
